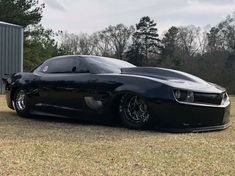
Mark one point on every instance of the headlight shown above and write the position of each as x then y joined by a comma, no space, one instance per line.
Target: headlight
184,96
177,94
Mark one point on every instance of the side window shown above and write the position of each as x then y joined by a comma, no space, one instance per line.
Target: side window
80,67
63,65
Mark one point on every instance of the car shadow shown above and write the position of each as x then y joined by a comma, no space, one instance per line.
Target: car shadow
94,120
81,120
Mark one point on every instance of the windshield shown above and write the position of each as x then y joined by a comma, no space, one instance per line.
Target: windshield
107,65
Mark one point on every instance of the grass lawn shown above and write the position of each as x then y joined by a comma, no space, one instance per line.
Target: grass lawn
44,147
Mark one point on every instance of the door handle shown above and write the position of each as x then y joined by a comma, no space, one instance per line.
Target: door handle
69,89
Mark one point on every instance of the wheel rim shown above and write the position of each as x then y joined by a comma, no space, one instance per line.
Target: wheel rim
137,110
20,100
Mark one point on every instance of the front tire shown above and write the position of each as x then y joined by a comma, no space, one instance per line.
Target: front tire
134,113
21,103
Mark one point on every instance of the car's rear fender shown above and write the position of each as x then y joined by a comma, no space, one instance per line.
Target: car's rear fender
15,82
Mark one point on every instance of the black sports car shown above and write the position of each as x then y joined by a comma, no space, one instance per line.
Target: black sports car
68,86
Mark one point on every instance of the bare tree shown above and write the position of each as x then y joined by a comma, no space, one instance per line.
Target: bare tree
221,38
68,43
76,44
188,40
102,44
85,44
118,36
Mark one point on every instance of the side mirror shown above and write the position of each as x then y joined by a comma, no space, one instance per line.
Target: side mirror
74,69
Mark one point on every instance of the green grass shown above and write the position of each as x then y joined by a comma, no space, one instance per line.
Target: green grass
34,147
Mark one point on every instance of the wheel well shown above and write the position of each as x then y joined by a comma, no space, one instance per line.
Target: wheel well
13,93
116,101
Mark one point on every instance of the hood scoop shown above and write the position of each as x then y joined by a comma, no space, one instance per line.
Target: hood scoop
162,73
173,78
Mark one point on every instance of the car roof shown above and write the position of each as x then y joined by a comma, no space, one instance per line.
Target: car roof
98,64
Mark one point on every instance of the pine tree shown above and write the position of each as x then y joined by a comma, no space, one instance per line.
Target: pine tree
21,12
146,34
38,42
169,42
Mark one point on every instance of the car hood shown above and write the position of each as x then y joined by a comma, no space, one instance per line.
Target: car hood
174,78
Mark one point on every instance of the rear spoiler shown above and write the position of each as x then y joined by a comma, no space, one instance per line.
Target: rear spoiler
5,80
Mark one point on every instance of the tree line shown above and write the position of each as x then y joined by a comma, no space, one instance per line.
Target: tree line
206,52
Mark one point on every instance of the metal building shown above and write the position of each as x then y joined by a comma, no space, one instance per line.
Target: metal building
11,50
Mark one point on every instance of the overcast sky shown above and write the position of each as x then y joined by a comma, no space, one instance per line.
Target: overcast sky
88,16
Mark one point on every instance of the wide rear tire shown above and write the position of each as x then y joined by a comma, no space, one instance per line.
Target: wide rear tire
21,103
134,112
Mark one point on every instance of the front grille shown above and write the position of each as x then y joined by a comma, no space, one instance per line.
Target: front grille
205,98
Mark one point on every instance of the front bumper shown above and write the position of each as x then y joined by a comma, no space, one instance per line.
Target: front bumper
197,129
176,117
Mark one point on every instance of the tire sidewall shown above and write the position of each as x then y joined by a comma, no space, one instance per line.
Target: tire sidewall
25,112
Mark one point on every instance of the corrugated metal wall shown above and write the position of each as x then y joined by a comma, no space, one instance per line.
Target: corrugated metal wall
11,50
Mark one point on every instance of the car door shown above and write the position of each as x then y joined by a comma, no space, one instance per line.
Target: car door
62,85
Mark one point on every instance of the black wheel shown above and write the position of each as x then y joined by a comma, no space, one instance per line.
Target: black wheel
21,103
134,112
